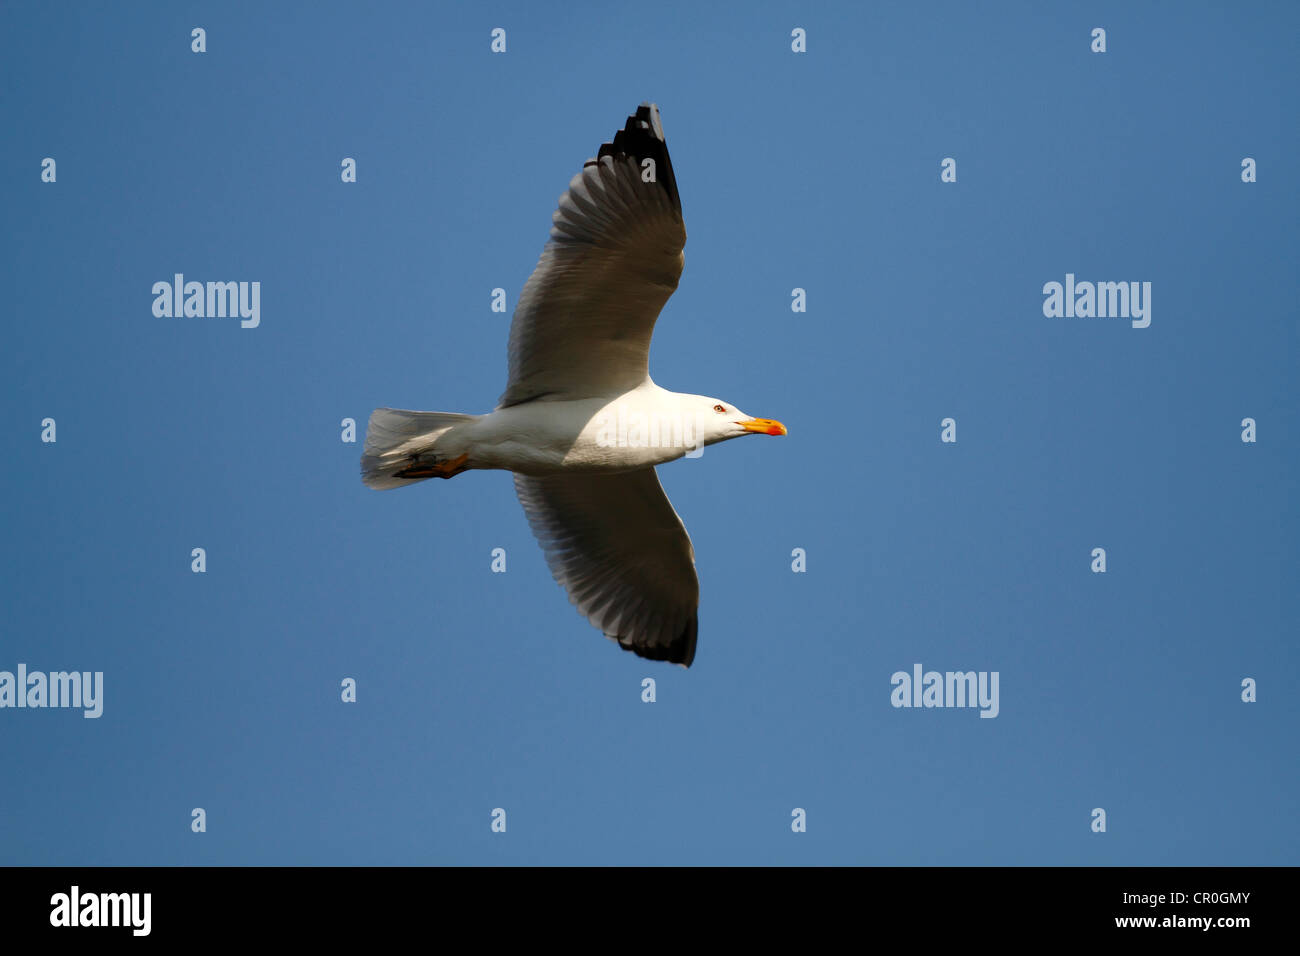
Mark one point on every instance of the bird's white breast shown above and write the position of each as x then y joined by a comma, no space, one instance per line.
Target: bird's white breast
638,429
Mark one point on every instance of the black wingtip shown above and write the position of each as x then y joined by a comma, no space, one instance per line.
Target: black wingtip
643,138
680,651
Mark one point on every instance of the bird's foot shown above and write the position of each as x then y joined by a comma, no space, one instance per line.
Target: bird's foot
438,469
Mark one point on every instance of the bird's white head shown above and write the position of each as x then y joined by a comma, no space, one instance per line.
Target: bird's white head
718,420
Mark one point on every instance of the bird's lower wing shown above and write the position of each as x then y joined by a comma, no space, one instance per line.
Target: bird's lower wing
623,555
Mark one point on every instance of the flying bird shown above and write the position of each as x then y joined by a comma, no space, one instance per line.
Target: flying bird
581,424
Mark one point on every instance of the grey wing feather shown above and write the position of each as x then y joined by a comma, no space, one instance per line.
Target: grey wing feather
620,550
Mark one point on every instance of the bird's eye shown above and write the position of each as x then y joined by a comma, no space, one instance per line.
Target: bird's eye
720,409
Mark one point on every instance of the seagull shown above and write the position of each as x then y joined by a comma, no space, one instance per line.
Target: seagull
581,424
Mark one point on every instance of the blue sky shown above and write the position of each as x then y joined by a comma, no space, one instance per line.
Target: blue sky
819,171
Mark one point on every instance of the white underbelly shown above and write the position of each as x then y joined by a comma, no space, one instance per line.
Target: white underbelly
591,435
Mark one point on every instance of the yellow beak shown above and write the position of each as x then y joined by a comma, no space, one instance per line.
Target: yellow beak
763,426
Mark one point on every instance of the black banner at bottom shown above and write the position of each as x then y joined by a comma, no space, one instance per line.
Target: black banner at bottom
340,905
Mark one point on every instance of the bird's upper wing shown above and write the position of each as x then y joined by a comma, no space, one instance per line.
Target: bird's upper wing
584,320
619,549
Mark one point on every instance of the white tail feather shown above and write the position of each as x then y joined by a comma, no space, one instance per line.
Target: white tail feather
395,437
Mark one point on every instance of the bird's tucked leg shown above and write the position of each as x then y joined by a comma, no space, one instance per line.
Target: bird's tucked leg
423,467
